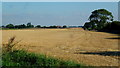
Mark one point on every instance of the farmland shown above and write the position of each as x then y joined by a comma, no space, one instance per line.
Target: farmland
86,47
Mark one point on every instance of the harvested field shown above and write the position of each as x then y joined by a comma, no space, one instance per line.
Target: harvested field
87,47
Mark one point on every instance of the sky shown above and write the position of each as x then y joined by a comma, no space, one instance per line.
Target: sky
0,13
53,13
119,10
60,0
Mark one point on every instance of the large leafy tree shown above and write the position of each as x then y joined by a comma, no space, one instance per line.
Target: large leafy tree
10,26
99,18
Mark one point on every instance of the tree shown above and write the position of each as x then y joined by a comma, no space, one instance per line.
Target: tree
20,26
38,26
16,26
99,18
23,26
115,25
64,26
3,26
44,27
87,25
29,25
10,26
112,27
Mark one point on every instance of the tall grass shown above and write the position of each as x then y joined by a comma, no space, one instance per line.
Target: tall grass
10,45
20,58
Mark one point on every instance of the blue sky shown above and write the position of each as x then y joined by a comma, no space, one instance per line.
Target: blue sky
60,0
0,13
53,13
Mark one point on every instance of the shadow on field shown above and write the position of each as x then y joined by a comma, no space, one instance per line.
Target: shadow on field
112,32
104,53
113,38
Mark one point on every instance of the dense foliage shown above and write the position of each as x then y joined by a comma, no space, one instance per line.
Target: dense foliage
102,20
22,58
11,26
29,25
113,27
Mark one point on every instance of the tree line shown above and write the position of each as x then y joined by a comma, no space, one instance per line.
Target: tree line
102,20
99,20
29,25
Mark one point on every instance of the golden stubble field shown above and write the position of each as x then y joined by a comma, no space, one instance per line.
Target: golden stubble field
85,47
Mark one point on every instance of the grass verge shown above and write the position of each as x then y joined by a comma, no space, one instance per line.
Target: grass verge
22,58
